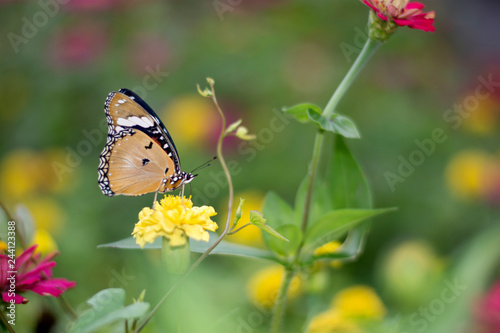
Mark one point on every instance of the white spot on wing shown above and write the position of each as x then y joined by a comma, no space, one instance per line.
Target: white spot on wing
147,121
124,122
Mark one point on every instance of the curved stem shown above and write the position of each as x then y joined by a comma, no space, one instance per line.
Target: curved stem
279,305
370,47
222,161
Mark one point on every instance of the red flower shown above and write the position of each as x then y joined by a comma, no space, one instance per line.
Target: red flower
403,13
29,273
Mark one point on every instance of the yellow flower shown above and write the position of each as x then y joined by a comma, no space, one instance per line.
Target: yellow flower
3,247
359,302
46,212
484,118
331,321
264,285
250,235
329,248
180,114
467,173
23,172
174,218
46,243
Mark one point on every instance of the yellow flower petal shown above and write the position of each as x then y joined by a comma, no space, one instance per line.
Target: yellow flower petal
174,218
359,302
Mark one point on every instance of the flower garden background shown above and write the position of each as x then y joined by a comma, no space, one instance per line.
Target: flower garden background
426,105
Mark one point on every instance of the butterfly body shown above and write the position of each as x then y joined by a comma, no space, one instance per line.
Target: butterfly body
139,156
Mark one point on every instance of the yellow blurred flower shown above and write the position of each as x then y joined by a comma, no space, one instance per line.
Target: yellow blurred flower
174,218
410,271
45,242
21,173
264,285
331,321
3,247
467,173
46,212
250,235
360,302
329,248
193,118
24,172
484,119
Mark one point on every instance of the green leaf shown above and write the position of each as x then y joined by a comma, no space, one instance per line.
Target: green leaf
259,221
107,307
224,247
336,123
320,202
334,224
277,211
347,185
285,248
300,111
347,188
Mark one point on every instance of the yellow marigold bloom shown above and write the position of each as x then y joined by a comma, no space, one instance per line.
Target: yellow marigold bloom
359,302
250,235
45,242
467,173
264,285
174,218
331,321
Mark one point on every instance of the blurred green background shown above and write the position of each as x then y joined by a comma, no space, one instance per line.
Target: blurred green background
59,62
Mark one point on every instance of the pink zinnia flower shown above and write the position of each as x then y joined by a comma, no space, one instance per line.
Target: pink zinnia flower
30,274
488,311
403,13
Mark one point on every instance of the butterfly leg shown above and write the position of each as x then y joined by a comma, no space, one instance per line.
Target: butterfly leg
154,201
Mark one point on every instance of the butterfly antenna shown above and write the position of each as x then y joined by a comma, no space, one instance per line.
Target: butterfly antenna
204,165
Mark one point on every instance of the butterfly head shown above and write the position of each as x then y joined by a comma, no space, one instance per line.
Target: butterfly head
176,180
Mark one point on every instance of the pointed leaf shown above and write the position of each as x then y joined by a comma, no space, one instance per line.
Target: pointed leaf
334,224
300,111
277,211
259,221
224,247
336,124
107,307
285,248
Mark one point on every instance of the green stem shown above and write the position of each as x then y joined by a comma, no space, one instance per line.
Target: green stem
370,47
279,305
313,170
222,161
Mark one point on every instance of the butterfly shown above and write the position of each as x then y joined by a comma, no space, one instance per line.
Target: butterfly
139,156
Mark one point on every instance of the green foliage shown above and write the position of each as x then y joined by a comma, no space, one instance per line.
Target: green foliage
107,307
336,123
259,221
336,223
310,113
